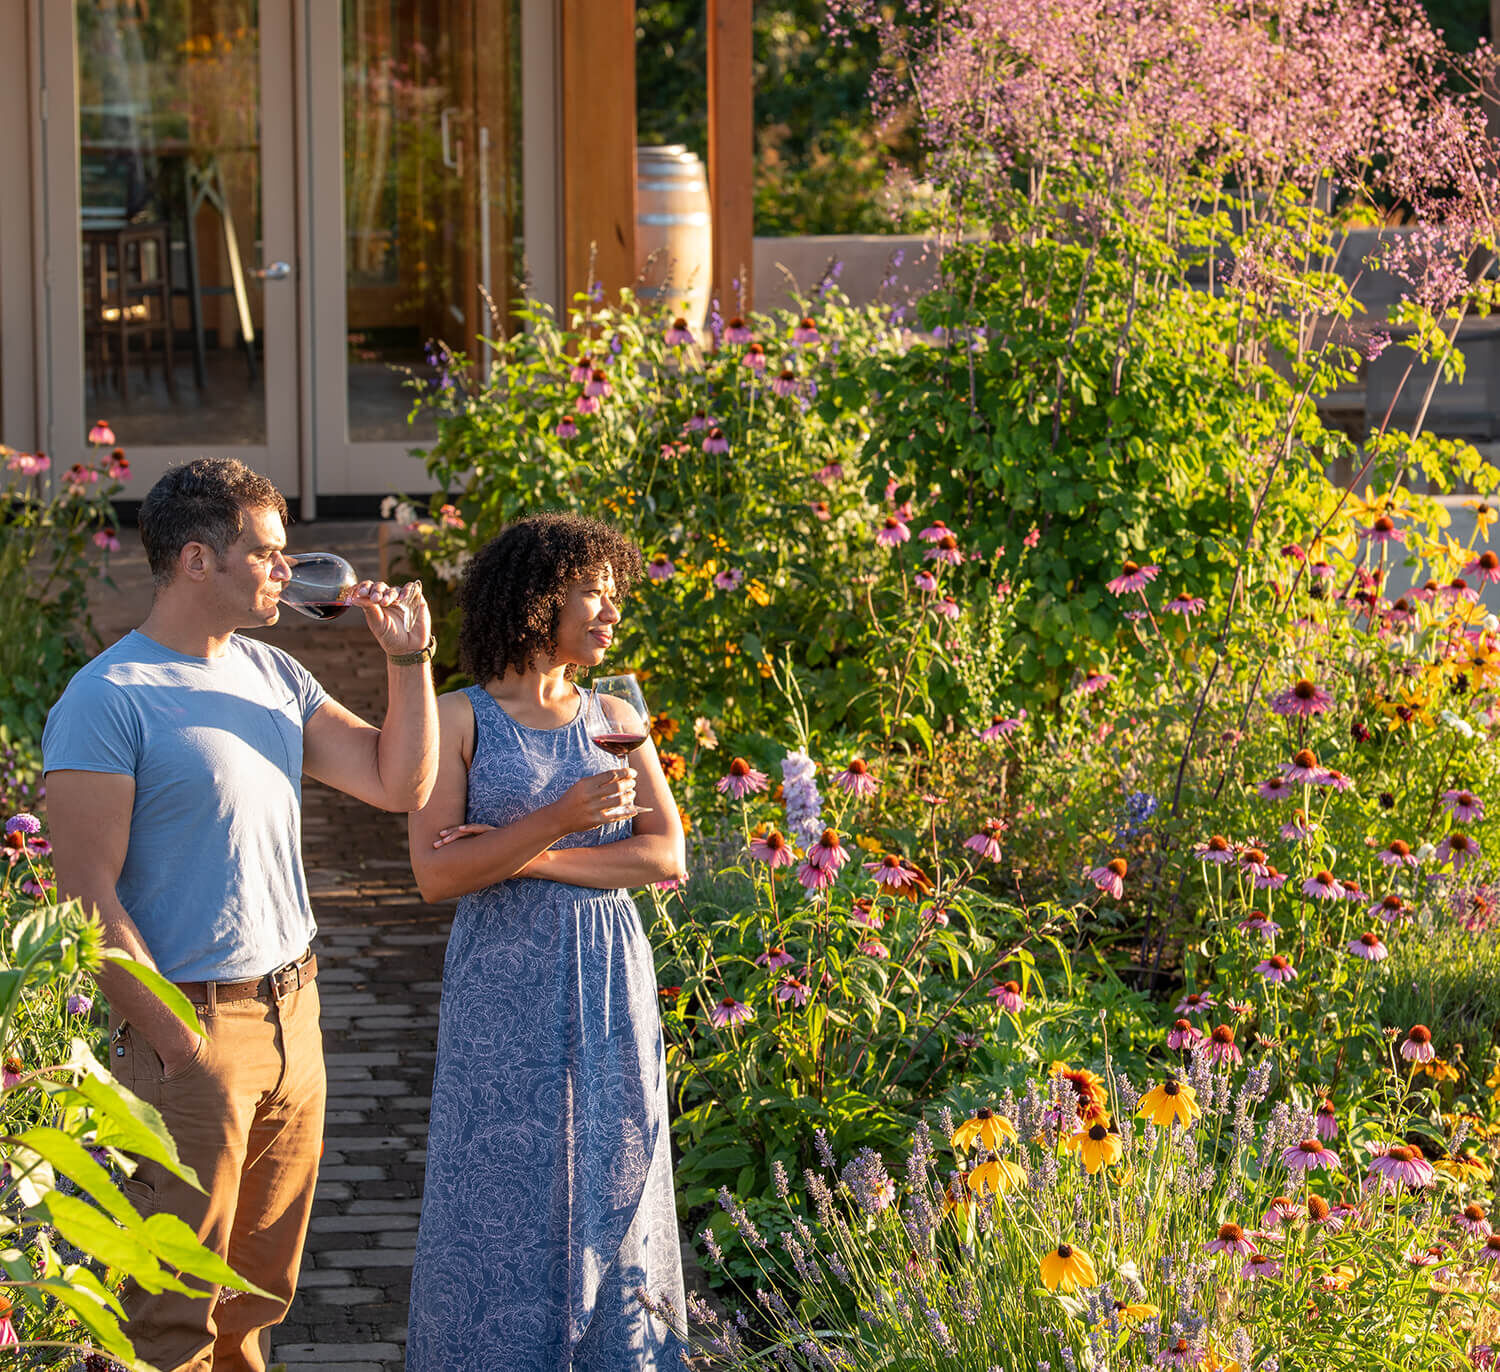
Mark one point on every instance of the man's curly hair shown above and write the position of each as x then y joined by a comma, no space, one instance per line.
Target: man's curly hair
515,588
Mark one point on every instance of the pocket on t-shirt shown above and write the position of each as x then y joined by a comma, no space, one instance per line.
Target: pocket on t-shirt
287,717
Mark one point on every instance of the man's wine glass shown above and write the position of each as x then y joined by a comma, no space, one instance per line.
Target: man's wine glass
320,584
619,723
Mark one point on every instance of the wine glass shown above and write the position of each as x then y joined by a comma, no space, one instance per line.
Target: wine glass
621,727
320,584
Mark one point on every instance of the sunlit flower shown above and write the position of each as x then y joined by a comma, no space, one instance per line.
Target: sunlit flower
1326,1121
101,435
1230,1239
1282,1213
1272,879
1389,908
789,988
1486,566
1097,1146
1253,861
1007,995
1417,1046
816,878
1181,1353
1133,577
1309,1155
737,331
1169,1102
995,1175
714,442
1383,531
1065,1268
925,582
986,1128
773,850
828,852
1397,853
661,569
1298,828
1132,1313
1369,946
729,1011
946,551
1304,767
891,532
1195,1003
581,370
784,383
820,510
1186,605
1464,806
806,333
987,841
1093,682
1259,1265
1221,1047
1184,1036
1274,788
106,539
948,607
1303,697
1400,1164
874,948
1000,725
1276,969
1110,878
729,579
1491,1250
935,532
1457,590
743,780
755,358
597,386
1459,849
855,779
1473,1220
1323,885
1215,848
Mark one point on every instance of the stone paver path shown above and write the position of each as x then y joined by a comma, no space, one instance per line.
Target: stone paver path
380,959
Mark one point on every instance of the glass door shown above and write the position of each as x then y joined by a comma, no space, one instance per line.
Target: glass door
173,182
414,117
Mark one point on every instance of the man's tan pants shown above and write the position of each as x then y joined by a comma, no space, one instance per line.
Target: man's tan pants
247,1116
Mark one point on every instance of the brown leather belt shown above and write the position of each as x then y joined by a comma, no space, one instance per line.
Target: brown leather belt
274,986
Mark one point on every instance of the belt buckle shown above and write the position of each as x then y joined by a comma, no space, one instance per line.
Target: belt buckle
292,973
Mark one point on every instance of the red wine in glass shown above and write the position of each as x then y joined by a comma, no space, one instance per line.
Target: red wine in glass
621,745
619,723
319,585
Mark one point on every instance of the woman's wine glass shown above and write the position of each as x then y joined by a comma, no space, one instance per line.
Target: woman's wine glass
620,726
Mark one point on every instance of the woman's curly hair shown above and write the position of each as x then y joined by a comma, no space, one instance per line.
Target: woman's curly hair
515,588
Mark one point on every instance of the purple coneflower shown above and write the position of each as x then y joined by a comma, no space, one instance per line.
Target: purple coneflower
1007,995
729,1011
1464,806
1195,1003
1383,530
101,435
1259,924
773,850
1369,946
891,532
567,427
1182,1354
1186,605
1457,589
1298,827
737,331
1133,577
755,358
1231,1238
1276,969
661,569
1397,853
1221,1047
820,510
1323,885
1418,1044
830,473
106,539
888,871
1259,1265
806,333
1400,1164
581,370
828,852
874,948
1274,788
679,335
790,989
1459,849
597,386
1335,780
935,532
946,551
987,841
855,779
1184,1036
743,780
866,915
1094,681
729,578
1281,1213
1324,571
1303,697
925,582
1309,1155
1486,566
947,607
816,878
784,383
715,442
1304,767
79,1004
1490,1253
1253,861
586,404
1326,1121
1389,908
1110,878
697,421
1352,889
1473,1221
775,957
1216,848
1271,880
999,726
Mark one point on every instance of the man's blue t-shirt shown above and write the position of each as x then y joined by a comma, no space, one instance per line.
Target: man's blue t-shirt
213,875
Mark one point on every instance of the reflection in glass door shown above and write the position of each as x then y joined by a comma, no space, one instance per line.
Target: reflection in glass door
171,193
431,195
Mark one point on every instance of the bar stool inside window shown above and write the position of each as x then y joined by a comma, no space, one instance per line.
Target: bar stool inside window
127,293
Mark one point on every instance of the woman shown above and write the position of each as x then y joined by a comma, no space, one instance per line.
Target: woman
548,1198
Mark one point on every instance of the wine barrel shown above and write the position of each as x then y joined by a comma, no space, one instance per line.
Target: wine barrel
673,240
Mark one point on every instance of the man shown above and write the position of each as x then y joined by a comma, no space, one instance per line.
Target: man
174,764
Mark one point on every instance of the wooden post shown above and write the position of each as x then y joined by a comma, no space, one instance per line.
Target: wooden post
598,145
731,150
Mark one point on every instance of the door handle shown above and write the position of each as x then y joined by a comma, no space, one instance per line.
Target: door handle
275,271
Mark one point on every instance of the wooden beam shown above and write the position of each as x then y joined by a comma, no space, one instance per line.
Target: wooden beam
597,40
731,150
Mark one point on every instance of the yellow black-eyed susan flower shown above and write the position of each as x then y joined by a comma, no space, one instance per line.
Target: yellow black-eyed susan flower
996,1175
1065,1268
1172,1100
1097,1146
985,1126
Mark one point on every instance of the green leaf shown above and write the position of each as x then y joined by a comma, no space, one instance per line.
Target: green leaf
72,1159
159,987
81,1292
99,1236
176,1244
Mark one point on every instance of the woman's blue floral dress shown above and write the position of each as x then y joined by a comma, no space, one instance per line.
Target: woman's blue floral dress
548,1198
